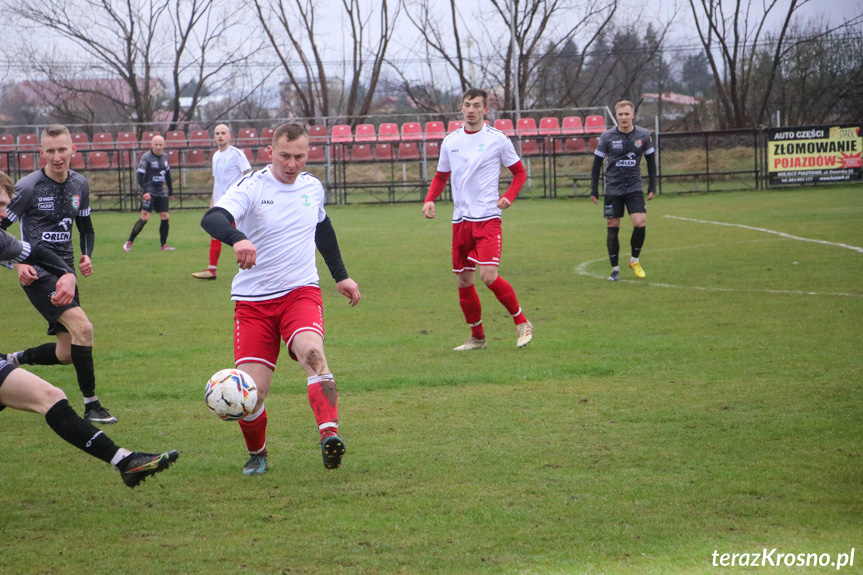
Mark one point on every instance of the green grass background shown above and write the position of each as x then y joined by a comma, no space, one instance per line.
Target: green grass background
715,405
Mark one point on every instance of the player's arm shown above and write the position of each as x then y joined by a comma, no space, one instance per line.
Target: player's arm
141,176
168,183
328,245
87,237
651,174
519,177
594,178
437,186
218,223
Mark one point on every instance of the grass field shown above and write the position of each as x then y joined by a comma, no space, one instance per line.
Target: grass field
714,406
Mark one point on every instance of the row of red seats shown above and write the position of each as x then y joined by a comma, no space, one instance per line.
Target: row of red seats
341,133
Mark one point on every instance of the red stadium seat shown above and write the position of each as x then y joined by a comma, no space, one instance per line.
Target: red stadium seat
77,161
454,125
408,151
266,137
102,141
526,128
42,161
572,125
549,126
28,142
384,152
125,159
412,131
574,145
388,132
505,126
318,134
365,133
317,155
26,161
530,147
435,131
361,153
7,143
147,139
592,144
81,141
173,157
98,161
200,139
262,157
594,125
4,162
175,139
433,149
126,140
341,134
195,158
248,152
247,137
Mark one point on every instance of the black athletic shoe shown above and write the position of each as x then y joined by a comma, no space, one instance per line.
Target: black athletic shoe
332,448
615,275
98,414
138,466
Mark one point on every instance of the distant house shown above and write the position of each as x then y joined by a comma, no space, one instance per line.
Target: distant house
672,98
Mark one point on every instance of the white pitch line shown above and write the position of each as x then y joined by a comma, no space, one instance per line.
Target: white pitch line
766,231
581,269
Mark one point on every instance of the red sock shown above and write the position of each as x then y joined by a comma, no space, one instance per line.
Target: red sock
506,295
255,433
323,398
472,309
215,251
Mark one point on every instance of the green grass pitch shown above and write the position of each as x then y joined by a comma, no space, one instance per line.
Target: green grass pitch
713,406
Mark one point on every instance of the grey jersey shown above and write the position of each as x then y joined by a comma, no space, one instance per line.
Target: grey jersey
47,209
153,170
12,250
623,153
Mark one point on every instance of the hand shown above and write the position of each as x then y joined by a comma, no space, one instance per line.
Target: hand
85,266
247,254
146,196
649,196
350,290
26,274
65,290
503,203
594,199
428,210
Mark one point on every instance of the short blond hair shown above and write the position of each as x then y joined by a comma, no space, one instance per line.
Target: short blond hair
7,184
55,130
623,104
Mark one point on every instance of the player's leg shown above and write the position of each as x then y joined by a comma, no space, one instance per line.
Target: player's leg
146,208
164,217
256,349
39,293
468,299
77,342
20,389
613,211
637,209
215,252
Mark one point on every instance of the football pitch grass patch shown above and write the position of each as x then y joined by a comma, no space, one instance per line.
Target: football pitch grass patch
713,406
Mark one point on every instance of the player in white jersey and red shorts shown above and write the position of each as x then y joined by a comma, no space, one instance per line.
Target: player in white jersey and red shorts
280,221
229,165
473,155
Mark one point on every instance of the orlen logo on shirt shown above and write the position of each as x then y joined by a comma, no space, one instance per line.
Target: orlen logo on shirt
627,163
56,236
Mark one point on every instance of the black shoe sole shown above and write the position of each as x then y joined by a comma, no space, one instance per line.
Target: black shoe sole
333,448
133,480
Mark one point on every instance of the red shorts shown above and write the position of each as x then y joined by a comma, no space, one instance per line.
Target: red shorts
475,243
259,325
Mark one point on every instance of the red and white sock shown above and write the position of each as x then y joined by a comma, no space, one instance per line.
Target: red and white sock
471,307
254,428
506,295
323,398
215,252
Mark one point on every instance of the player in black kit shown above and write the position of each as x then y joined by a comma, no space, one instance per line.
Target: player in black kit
154,175
622,148
46,203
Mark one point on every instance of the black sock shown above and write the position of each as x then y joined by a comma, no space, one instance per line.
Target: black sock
163,232
45,354
613,245
637,241
82,359
136,229
79,432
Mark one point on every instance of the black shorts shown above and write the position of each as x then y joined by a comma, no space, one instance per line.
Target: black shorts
156,204
40,292
5,370
634,202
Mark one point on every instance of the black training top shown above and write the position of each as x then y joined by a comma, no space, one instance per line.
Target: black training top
623,153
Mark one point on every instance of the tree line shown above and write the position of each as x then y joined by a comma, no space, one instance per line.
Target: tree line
172,62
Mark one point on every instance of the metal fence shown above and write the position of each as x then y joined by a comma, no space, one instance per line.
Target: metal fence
557,165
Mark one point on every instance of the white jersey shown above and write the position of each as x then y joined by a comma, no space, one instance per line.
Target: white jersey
280,220
474,161
228,167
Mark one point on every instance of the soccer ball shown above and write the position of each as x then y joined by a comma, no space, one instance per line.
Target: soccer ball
231,394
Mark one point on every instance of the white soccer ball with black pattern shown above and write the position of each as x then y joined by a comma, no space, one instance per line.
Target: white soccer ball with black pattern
231,394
